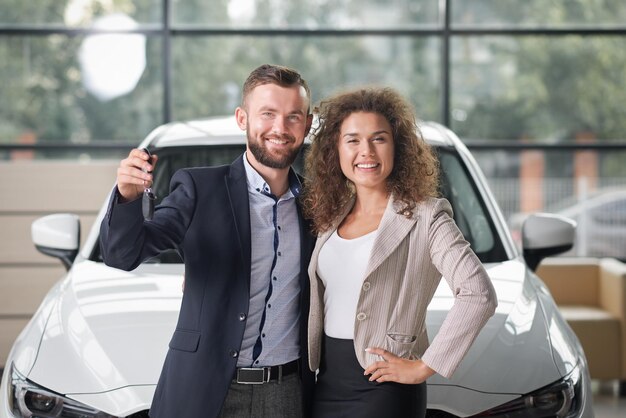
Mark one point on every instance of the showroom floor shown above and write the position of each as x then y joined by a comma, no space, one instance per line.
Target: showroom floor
606,404
609,406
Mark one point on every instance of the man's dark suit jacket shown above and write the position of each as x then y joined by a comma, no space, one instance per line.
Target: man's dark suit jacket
207,217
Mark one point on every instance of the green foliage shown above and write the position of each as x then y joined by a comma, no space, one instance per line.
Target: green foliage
502,87
538,13
547,88
44,94
53,12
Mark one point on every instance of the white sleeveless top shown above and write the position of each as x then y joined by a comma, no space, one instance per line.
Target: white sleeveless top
341,267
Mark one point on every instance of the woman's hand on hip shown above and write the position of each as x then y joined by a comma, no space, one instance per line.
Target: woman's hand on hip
397,369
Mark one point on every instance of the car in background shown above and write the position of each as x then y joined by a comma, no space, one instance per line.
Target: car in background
601,219
96,345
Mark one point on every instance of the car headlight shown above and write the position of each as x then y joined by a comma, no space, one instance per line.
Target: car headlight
28,400
561,399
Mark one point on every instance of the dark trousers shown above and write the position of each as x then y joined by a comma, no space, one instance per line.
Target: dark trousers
276,399
342,391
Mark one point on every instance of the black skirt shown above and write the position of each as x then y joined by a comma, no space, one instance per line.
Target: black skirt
342,390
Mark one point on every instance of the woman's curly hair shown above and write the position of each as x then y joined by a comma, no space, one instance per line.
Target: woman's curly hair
415,173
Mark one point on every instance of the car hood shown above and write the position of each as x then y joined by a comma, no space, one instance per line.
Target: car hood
513,355
108,334
106,339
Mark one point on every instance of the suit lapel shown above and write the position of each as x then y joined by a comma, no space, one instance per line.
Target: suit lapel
237,188
307,240
393,228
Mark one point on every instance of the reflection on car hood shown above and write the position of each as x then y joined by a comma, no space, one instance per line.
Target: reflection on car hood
110,332
511,356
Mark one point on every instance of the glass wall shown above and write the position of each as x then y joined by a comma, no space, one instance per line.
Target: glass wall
208,70
569,14
79,88
58,14
80,71
555,88
90,73
306,14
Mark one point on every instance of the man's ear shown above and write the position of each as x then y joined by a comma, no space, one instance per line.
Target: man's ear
309,122
242,118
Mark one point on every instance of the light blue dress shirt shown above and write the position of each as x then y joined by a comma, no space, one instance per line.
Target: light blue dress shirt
271,336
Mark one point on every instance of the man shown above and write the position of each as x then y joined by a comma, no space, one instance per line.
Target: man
239,346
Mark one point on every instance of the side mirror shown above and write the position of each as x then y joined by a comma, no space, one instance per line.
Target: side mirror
544,234
58,236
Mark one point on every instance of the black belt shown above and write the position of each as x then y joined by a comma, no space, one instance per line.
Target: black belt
260,375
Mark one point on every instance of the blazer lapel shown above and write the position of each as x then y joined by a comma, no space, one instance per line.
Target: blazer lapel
393,228
237,188
321,239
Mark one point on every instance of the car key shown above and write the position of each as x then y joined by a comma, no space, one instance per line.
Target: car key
147,201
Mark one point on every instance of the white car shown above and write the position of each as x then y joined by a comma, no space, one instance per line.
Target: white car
96,345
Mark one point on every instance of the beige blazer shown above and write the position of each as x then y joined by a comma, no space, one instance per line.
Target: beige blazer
409,257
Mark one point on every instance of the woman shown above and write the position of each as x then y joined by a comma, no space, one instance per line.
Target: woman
384,241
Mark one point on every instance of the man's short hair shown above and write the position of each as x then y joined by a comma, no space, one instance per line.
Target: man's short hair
274,74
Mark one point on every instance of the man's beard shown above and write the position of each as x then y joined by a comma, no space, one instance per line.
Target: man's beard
265,157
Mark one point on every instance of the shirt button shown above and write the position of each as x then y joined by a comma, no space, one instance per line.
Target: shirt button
366,286
361,316
233,353
242,316
279,254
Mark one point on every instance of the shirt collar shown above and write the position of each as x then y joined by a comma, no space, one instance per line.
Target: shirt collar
256,183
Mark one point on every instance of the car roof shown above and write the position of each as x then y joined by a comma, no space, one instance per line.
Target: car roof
224,131
594,198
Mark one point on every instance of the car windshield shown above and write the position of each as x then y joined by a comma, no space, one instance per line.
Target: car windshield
457,186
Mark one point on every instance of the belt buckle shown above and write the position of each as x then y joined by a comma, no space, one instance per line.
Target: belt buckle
253,375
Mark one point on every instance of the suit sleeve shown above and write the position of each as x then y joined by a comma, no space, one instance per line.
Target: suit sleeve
126,239
474,296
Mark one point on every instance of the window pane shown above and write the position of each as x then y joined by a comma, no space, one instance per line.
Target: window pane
469,210
588,186
76,13
51,92
309,14
538,13
557,88
208,72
